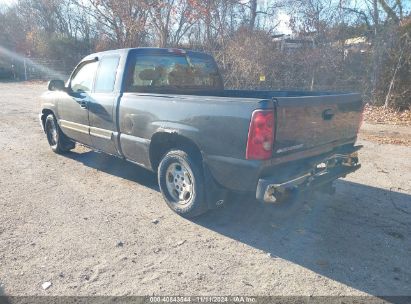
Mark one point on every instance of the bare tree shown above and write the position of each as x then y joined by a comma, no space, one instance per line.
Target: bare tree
324,53
253,13
123,23
171,20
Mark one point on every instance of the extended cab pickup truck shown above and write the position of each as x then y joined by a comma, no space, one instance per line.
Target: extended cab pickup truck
166,110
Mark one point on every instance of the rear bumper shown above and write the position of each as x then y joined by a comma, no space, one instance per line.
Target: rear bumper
270,191
245,175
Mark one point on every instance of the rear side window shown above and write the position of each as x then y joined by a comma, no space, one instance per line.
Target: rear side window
106,75
82,80
169,72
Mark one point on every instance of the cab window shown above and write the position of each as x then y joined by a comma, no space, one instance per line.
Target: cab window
82,81
168,72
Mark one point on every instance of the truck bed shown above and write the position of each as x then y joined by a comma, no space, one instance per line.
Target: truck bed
219,123
304,119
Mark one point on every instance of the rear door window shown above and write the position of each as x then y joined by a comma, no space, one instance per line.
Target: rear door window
106,75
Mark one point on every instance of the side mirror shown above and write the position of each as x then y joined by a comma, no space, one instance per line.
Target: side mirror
56,85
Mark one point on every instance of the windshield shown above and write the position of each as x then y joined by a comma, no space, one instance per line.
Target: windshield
148,73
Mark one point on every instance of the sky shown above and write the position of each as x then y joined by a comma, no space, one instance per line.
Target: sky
284,23
7,1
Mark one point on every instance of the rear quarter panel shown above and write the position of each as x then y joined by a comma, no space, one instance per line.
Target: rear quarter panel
216,125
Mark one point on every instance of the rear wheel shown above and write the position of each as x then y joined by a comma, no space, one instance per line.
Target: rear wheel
181,182
58,142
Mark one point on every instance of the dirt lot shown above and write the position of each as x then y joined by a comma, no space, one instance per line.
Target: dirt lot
84,222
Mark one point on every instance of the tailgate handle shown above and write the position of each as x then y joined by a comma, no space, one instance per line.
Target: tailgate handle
328,114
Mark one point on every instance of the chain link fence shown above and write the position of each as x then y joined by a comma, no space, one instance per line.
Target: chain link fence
33,69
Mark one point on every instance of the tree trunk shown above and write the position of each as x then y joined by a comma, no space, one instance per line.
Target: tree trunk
253,13
376,51
163,39
388,97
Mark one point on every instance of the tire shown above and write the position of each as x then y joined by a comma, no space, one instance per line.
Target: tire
181,182
58,142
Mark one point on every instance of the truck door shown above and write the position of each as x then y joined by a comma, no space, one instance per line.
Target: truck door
102,105
73,107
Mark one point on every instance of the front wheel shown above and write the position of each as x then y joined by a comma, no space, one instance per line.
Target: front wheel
58,142
181,182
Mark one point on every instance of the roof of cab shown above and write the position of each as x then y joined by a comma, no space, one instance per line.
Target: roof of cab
143,50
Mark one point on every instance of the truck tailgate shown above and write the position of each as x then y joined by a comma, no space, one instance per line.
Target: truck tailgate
312,121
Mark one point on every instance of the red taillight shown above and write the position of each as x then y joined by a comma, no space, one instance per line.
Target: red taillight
261,135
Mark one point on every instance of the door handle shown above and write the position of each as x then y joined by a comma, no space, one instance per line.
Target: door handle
83,105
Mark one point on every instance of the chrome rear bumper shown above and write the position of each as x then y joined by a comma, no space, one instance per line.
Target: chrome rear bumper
269,191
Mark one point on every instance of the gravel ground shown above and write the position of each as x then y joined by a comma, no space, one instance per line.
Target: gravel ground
86,222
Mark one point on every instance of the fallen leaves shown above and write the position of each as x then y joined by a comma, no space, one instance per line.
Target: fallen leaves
381,115
381,139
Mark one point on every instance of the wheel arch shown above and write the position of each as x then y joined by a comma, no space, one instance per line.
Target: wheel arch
162,142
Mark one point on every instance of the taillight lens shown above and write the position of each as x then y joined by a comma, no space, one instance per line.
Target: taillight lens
261,135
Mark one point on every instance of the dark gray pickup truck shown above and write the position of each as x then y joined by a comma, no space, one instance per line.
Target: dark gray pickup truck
167,110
